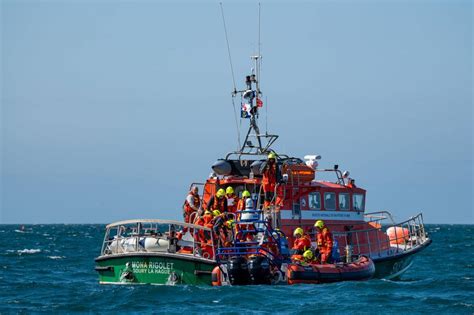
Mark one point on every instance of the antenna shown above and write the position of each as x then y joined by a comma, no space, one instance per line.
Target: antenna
234,92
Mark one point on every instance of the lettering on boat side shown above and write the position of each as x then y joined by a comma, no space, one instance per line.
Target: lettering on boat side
152,267
324,214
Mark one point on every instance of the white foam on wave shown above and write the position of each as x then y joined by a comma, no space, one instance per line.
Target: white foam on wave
56,257
29,251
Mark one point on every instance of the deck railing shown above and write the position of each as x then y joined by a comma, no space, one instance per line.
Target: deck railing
385,238
158,236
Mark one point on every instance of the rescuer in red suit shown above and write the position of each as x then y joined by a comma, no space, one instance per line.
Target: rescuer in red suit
271,176
302,242
324,240
191,204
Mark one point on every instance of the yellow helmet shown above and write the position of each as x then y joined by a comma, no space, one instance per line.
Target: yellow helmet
229,190
220,193
207,212
308,255
297,231
319,224
246,193
271,155
216,213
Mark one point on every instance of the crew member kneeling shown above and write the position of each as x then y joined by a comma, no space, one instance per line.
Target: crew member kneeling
302,242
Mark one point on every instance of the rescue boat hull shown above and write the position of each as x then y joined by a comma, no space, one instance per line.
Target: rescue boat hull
154,268
361,269
394,266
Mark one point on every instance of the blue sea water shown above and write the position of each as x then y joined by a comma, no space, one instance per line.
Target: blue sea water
50,268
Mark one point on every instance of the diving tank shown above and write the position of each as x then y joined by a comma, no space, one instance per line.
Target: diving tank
222,167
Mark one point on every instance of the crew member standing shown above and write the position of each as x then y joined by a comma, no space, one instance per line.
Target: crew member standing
218,202
324,241
241,204
191,204
271,176
232,199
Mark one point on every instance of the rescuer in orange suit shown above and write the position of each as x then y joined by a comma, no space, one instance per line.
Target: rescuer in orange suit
241,204
232,199
302,242
191,204
218,202
271,176
324,240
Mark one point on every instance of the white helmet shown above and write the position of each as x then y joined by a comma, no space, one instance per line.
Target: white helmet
249,204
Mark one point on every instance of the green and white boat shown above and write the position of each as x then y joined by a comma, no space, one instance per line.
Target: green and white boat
155,252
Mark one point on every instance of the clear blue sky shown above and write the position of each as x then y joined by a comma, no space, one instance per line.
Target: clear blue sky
109,110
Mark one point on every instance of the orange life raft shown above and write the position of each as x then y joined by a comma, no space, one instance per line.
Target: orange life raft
361,269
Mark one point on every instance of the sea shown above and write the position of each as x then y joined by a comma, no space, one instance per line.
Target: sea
50,269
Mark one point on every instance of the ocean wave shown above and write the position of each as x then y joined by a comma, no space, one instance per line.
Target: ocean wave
29,251
56,257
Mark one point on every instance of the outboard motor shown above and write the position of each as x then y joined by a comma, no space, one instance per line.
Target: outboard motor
237,270
259,270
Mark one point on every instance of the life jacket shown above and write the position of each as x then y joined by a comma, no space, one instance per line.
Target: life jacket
324,240
269,177
232,202
218,204
303,243
196,203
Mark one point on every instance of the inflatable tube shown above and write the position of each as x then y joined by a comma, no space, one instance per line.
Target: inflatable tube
398,235
361,269
216,277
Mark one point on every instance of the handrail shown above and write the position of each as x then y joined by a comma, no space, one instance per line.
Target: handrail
159,221
377,240
384,212
164,240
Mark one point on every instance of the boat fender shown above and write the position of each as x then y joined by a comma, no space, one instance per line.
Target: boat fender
216,277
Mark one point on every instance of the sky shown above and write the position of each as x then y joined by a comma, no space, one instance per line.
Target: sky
111,109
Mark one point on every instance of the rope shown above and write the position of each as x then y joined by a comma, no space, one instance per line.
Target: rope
233,76
228,47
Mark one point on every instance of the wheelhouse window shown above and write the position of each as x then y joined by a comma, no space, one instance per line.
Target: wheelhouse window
330,201
358,202
344,201
314,200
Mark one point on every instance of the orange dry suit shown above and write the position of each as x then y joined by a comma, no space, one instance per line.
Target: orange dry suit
232,202
241,204
301,244
325,244
188,210
216,203
271,176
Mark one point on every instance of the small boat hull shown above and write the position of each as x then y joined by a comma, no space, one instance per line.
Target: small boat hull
361,269
154,268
